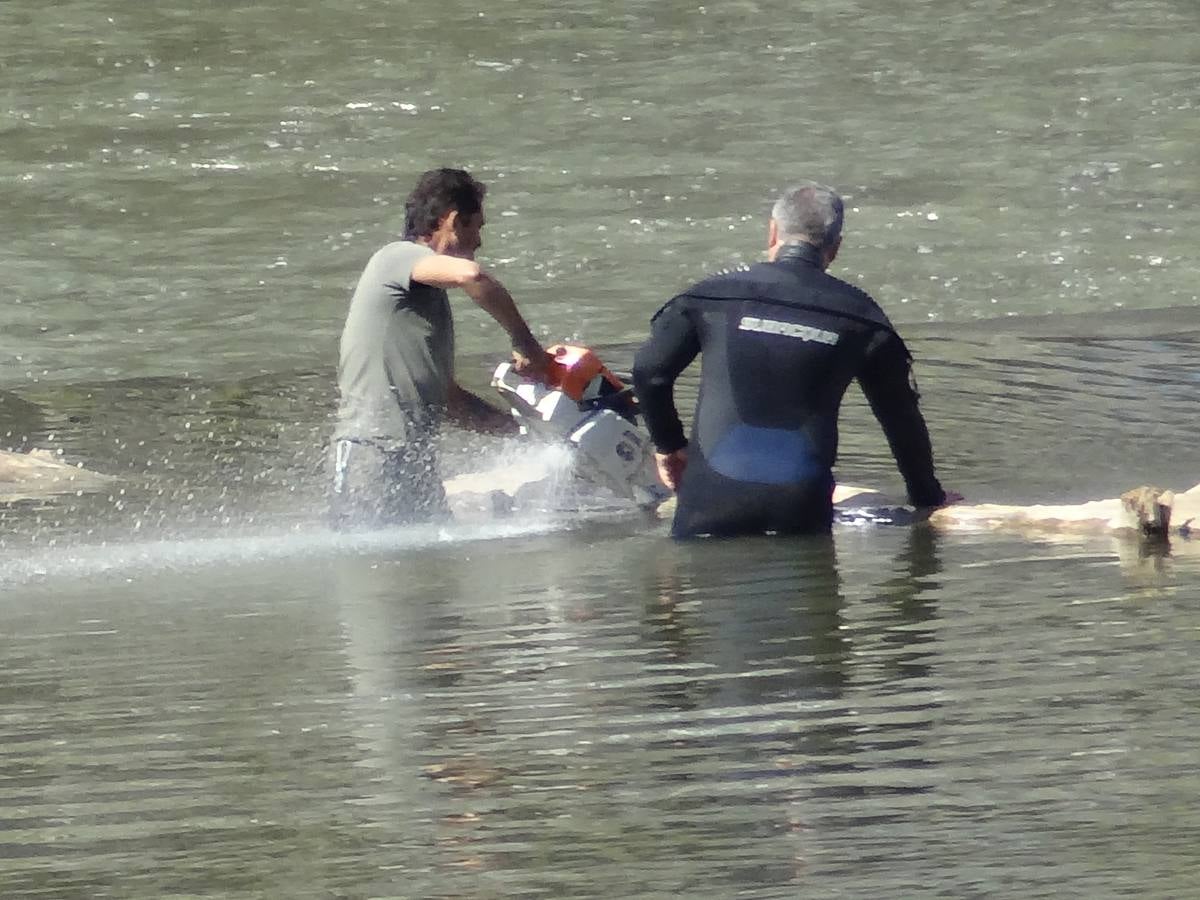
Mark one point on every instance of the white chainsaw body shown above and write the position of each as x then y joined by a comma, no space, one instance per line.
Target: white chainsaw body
609,448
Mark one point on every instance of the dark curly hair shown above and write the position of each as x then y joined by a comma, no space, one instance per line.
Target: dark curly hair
439,191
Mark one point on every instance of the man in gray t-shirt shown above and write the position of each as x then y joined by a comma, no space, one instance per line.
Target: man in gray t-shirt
396,368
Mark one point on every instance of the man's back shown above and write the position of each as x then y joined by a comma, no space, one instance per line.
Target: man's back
396,350
781,343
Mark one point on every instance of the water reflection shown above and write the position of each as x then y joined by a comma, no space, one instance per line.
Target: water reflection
908,596
742,616
689,702
602,706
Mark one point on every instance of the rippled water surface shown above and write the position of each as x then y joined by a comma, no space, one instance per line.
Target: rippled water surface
205,692
882,714
201,187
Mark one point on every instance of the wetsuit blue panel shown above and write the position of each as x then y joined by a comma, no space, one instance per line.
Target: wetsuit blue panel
765,456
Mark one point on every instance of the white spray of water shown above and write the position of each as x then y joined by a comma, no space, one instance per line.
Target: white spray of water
132,558
520,464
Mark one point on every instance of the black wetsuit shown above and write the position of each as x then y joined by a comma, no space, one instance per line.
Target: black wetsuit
781,342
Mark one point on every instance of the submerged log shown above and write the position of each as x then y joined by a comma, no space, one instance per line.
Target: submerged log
40,473
1146,511
1143,511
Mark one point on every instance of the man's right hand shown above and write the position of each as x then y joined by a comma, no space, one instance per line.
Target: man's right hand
533,363
671,466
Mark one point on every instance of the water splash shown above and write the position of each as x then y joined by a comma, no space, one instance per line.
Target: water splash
547,500
141,557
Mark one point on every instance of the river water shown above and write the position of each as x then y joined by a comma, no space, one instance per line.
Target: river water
205,692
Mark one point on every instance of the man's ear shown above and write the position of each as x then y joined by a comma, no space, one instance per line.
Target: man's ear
832,252
772,233
442,238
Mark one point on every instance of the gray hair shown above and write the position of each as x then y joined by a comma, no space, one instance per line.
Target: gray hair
809,212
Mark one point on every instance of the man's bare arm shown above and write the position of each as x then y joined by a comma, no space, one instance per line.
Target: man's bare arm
473,413
439,270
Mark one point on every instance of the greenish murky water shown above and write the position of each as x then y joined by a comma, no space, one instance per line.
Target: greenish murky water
205,692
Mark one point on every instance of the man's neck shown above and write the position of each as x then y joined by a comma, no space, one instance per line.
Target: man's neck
799,251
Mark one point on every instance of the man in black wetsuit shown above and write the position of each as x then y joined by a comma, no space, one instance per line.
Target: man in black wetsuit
782,340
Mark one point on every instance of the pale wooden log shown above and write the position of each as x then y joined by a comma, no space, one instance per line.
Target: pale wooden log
39,473
1145,510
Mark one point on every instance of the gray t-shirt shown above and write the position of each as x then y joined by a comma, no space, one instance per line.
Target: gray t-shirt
397,349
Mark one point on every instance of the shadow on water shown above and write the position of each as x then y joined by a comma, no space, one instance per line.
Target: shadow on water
189,456
1038,409
215,459
20,421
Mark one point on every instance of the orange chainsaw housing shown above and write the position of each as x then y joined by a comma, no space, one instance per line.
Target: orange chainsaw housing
574,368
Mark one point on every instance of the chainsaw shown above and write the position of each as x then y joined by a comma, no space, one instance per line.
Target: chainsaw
584,404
